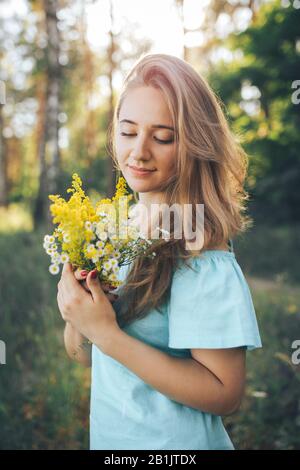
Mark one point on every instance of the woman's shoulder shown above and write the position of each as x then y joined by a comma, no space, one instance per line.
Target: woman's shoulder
218,256
211,273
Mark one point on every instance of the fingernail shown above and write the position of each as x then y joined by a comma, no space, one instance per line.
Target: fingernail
84,273
94,274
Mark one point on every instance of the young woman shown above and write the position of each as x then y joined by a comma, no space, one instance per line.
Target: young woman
168,357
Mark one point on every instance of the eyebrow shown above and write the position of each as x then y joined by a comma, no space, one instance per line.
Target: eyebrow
155,126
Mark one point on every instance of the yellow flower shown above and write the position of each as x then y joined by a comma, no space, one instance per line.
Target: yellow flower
79,223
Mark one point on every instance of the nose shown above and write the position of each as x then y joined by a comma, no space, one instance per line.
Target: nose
140,150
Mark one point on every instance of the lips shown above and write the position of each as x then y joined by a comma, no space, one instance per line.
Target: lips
142,170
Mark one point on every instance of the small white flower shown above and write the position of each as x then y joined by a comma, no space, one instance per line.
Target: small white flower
101,252
116,269
46,238
112,277
51,239
66,237
55,258
49,251
46,245
64,258
116,254
95,259
88,225
90,248
114,237
53,268
107,265
100,244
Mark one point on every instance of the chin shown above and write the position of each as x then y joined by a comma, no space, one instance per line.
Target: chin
138,184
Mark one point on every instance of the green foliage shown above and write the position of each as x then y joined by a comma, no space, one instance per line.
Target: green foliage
43,397
271,252
270,61
269,417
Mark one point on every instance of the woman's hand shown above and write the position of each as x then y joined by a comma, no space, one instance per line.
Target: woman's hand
88,308
81,275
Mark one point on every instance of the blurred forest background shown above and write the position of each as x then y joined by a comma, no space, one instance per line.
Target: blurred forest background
61,65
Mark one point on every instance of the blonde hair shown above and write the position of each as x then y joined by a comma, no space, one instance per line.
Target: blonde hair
211,170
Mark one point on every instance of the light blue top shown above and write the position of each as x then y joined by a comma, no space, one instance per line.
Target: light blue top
209,307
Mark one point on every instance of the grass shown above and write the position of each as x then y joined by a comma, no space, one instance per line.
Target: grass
44,397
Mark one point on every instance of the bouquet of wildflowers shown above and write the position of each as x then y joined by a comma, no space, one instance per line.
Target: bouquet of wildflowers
101,237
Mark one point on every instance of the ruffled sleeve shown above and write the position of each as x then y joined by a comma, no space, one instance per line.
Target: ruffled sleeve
211,306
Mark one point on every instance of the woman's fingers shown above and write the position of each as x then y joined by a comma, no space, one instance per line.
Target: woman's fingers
81,274
84,285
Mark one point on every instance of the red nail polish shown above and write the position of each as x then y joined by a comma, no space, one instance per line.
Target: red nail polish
84,273
94,274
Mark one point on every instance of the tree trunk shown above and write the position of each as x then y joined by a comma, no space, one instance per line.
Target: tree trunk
111,172
180,6
3,172
48,151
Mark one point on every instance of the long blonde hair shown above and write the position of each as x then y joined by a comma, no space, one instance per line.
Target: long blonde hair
211,170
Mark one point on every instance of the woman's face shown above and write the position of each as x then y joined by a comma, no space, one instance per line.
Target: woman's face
145,140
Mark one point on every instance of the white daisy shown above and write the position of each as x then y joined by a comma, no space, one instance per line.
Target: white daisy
90,248
64,258
114,237
100,252
66,237
54,268
55,258
107,265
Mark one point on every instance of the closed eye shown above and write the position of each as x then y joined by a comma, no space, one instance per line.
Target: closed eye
158,140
